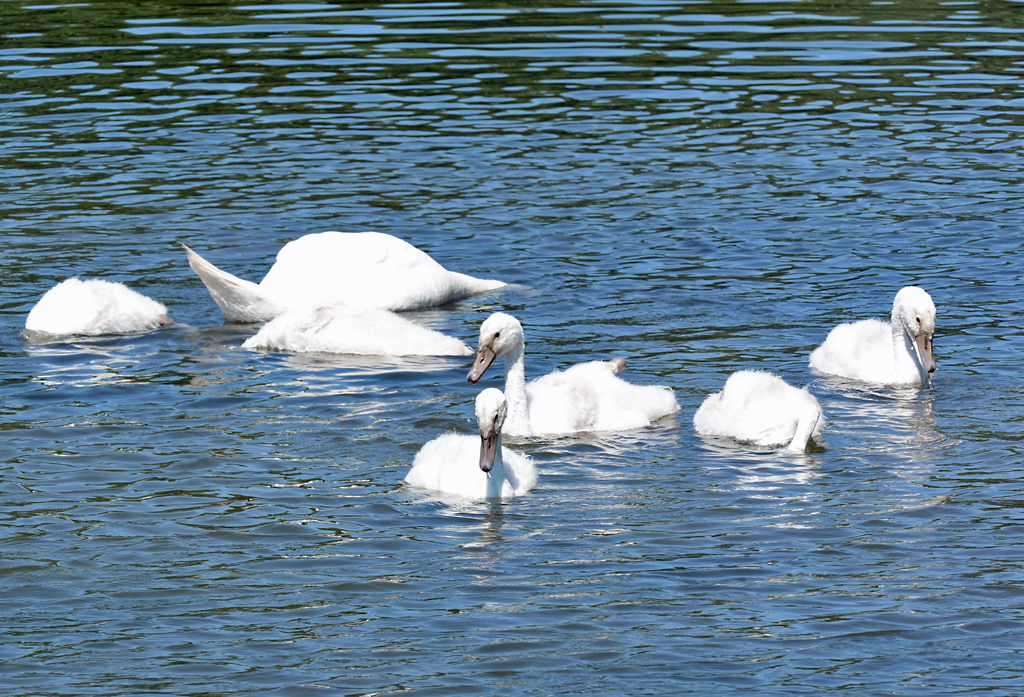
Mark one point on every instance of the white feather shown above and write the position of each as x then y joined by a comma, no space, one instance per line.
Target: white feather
451,463
340,329
94,307
358,269
585,397
761,408
898,352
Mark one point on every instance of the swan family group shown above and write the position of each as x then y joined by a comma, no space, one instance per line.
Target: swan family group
340,292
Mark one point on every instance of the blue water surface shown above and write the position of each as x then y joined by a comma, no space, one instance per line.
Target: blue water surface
699,187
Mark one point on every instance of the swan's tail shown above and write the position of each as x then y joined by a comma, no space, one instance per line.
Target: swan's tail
239,300
471,285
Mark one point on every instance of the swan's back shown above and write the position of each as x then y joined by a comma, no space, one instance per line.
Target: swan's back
93,307
339,329
559,404
758,407
451,464
591,397
862,350
364,269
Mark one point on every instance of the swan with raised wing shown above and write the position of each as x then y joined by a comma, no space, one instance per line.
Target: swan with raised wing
359,269
898,352
761,408
94,307
479,468
585,397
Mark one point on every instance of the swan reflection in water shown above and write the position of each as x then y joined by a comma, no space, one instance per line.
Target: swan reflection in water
897,420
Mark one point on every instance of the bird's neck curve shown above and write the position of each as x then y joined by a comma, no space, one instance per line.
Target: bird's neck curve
496,477
806,421
518,420
907,361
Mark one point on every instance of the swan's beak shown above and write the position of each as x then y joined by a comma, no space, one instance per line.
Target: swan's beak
488,449
484,358
924,350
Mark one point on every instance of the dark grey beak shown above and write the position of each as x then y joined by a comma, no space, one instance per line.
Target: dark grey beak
924,350
484,358
488,449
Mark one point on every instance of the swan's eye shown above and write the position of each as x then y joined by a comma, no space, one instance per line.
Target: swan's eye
918,320
497,334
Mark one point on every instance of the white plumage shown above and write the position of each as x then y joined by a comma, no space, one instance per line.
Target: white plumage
585,397
478,468
895,353
340,329
358,269
93,307
763,409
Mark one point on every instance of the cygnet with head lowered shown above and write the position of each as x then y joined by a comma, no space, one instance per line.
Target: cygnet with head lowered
357,269
898,352
94,307
763,409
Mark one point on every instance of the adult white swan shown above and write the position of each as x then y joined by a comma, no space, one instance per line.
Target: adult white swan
359,269
898,352
761,408
585,397
93,307
476,468
341,329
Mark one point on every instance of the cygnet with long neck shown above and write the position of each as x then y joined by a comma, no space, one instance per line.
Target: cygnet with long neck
898,352
585,397
476,468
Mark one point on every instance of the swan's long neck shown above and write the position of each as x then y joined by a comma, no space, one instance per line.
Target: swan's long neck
904,349
518,420
807,420
496,477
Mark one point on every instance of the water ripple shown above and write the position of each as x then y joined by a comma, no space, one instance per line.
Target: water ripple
700,189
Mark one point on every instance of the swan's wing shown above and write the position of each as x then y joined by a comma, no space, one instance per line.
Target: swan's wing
520,472
620,404
449,464
861,350
560,404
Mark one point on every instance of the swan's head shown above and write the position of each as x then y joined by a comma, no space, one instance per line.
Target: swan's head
490,415
914,311
499,334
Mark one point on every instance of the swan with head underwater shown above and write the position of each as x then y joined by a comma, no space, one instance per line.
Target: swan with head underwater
898,352
761,408
476,468
94,307
358,269
584,397
342,329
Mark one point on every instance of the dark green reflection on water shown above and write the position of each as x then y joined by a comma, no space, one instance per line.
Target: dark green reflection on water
683,61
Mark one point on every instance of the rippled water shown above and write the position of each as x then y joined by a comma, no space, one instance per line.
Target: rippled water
699,187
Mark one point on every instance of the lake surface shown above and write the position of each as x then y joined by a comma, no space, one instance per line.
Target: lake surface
699,187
